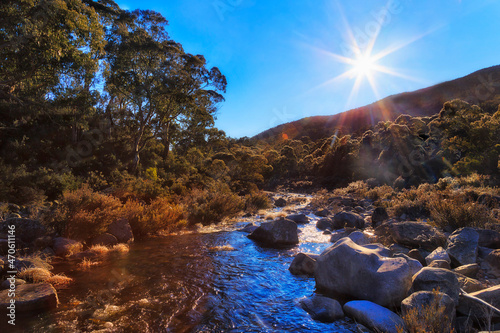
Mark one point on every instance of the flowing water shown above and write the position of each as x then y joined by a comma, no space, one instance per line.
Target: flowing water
213,281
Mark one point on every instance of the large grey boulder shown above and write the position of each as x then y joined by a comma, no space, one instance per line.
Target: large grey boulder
343,270
423,303
276,233
122,230
303,264
440,279
64,246
322,212
477,311
374,316
27,230
413,234
348,219
438,254
463,246
322,308
298,218
324,223
470,270
359,238
31,298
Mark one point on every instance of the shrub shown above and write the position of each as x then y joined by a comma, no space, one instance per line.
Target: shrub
257,200
456,212
212,205
83,214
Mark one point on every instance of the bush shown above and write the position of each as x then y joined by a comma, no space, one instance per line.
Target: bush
256,201
212,205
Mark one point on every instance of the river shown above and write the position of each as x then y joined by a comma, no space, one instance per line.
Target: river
216,280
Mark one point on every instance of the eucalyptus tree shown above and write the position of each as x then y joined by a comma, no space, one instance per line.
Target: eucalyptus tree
160,88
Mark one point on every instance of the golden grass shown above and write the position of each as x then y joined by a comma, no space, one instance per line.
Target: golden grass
87,263
120,248
59,280
35,274
221,248
99,249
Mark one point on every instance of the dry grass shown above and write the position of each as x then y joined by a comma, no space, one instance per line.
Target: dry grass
120,248
87,263
221,248
35,274
59,280
428,319
274,216
99,249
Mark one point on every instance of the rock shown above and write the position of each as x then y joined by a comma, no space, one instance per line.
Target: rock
325,223
474,309
417,255
438,254
344,268
483,252
348,219
322,308
443,280
26,230
22,263
322,212
425,302
280,202
43,242
488,238
122,230
413,234
249,228
440,264
31,298
303,264
462,246
396,248
470,270
469,285
6,284
341,234
247,215
104,239
359,209
492,263
64,246
298,218
373,316
276,233
359,238
379,216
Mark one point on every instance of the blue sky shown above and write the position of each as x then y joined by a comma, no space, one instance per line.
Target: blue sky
280,57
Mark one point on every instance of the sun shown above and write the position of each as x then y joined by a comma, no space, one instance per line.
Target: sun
364,65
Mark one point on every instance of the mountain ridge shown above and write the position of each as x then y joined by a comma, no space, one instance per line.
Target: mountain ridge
481,87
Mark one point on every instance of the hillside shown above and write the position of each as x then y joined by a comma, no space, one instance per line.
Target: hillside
481,87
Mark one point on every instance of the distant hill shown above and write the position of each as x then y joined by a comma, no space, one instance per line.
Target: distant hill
481,88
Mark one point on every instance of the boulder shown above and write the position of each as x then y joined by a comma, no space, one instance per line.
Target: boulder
412,234
443,280
280,202
341,234
343,270
463,246
43,242
373,316
417,255
7,283
324,223
470,270
439,264
469,285
359,238
492,263
474,309
322,308
104,239
379,216
26,230
64,246
424,302
322,212
396,248
488,238
122,230
298,218
276,233
348,219
303,264
31,298
438,254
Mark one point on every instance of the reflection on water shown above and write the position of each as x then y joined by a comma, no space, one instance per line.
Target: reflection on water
207,282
